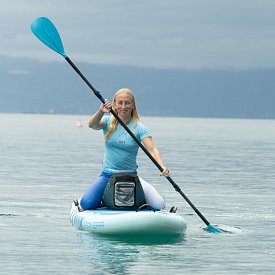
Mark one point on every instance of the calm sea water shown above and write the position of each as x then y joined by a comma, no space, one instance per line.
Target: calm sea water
225,167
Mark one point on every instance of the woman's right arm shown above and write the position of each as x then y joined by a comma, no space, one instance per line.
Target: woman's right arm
96,121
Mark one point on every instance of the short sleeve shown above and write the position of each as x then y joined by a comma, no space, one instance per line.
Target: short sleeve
142,132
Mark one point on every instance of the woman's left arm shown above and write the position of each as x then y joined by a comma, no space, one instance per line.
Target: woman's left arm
153,150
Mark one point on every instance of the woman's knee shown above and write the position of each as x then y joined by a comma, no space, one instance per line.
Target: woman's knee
152,196
93,195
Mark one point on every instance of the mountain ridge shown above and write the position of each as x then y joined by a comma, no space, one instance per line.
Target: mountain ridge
29,86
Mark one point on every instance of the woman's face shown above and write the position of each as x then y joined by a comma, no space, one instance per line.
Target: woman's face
124,105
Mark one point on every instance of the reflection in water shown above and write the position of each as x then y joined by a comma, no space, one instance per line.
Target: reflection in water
118,255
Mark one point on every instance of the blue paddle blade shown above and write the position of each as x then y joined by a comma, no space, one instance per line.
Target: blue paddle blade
213,229
47,33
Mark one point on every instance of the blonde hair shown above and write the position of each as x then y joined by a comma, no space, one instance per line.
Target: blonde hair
113,120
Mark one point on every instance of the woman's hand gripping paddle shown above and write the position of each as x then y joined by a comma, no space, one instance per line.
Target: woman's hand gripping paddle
47,33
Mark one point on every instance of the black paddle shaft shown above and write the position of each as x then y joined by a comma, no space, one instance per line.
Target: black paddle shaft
97,93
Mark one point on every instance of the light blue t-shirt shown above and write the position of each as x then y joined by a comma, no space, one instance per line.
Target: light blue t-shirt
120,149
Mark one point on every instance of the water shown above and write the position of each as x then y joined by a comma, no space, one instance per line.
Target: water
225,167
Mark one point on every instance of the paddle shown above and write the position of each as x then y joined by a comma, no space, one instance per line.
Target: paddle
47,33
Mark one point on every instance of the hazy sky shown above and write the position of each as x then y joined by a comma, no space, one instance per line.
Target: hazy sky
190,34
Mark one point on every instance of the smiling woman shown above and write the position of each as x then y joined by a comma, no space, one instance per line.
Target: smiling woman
125,106
120,149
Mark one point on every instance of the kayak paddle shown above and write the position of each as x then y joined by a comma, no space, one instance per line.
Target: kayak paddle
47,33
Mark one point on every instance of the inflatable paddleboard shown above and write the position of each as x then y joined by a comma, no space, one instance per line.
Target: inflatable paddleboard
128,222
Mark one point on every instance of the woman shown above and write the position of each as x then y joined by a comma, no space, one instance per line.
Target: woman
121,150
